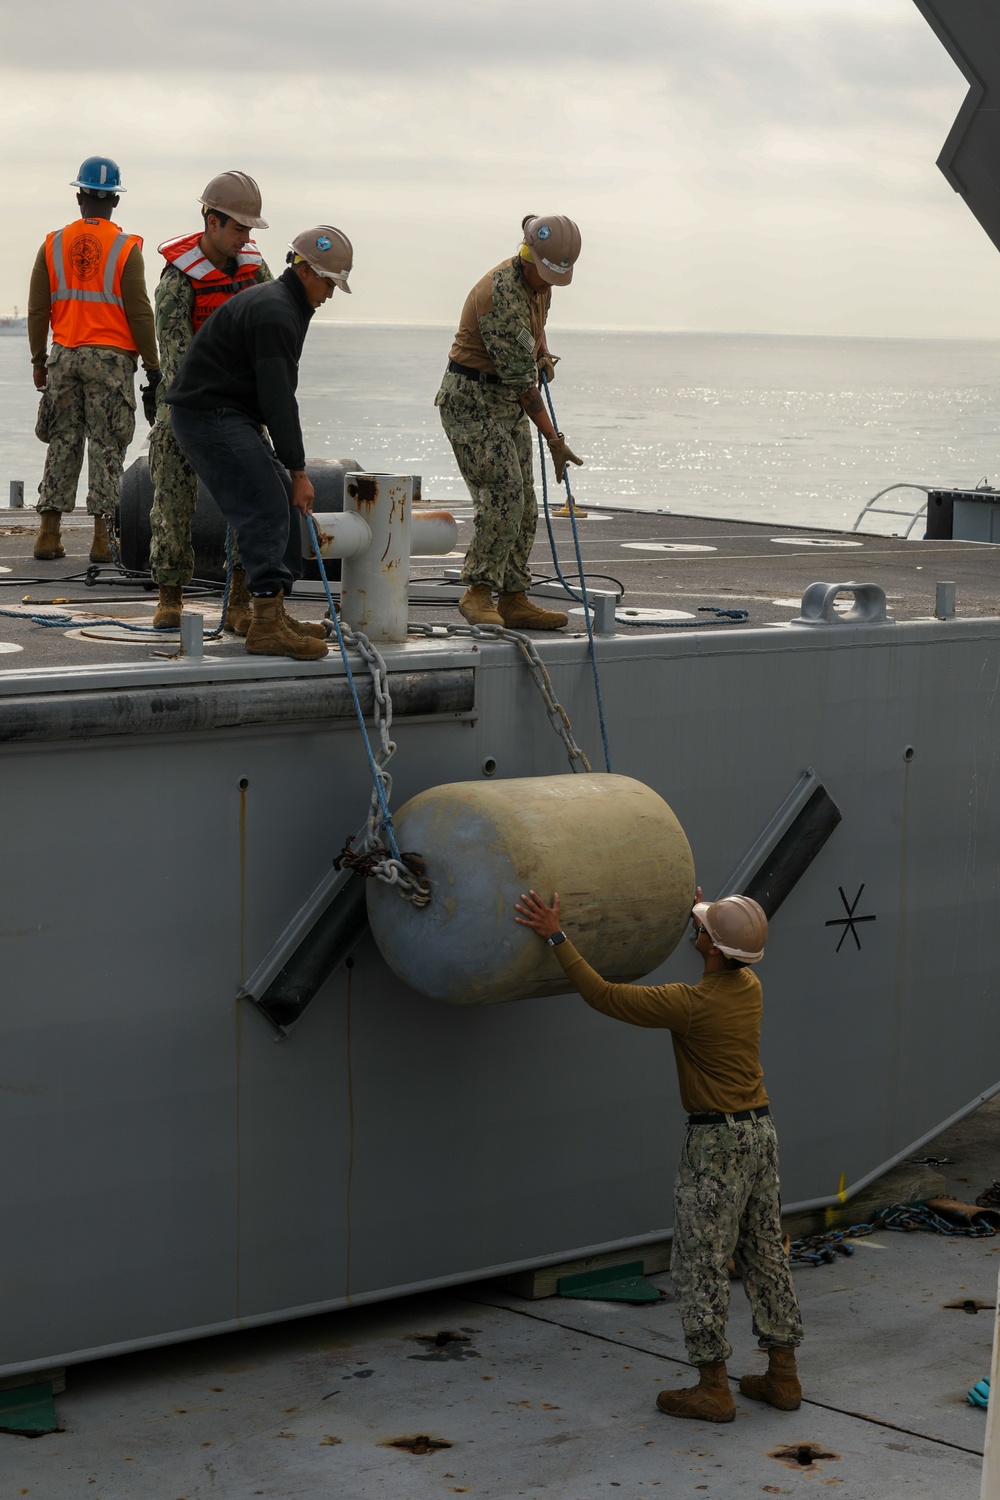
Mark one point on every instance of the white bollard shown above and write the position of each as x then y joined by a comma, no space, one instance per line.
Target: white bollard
342,533
435,532
374,583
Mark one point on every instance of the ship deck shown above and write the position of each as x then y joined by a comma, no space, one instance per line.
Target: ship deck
553,1398
673,570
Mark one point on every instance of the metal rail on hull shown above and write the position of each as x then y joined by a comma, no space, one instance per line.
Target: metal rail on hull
183,710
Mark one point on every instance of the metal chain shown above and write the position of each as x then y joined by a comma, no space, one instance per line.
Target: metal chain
558,717
822,1249
366,852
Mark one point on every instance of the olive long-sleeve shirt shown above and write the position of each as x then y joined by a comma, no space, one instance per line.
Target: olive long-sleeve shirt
715,1028
134,295
502,327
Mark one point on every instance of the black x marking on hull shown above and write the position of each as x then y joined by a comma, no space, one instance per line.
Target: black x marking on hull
849,923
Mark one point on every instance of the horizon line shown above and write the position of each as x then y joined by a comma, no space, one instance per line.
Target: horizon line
738,333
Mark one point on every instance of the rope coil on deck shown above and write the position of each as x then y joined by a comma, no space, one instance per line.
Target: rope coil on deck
69,622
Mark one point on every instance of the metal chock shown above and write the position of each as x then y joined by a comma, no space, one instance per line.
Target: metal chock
28,1410
610,1284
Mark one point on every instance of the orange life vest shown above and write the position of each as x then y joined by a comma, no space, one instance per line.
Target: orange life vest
211,286
85,262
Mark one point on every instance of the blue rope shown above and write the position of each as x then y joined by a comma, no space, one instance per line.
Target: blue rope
376,774
225,592
62,622
582,596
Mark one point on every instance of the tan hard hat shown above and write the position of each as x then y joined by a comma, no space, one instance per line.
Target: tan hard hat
736,925
327,251
554,242
235,194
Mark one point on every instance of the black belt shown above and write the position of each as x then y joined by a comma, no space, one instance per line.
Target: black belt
736,1114
454,368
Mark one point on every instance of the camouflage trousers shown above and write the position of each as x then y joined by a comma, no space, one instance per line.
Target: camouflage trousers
727,1205
89,398
175,496
491,439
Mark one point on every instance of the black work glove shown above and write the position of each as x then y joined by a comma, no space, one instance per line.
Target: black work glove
148,394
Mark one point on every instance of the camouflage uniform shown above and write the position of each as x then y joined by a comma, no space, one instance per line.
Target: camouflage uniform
89,397
492,437
727,1205
175,484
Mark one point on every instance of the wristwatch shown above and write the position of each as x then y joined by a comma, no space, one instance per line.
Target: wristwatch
556,939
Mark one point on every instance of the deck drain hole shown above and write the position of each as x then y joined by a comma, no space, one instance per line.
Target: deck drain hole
489,766
419,1444
444,1345
803,1455
969,1305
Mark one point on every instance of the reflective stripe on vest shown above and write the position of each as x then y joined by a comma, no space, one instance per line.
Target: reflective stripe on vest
85,261
211,286
64,293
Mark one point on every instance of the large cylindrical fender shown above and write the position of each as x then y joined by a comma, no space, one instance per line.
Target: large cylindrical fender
609,845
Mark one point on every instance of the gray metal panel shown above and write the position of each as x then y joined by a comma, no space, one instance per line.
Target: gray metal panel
976,521
170,1168
970,30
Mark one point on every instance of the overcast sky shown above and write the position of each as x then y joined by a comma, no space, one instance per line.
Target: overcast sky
758,165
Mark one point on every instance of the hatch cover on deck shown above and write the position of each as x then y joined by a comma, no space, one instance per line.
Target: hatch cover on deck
815,541
668,547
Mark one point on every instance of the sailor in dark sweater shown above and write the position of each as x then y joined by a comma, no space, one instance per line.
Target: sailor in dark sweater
238,377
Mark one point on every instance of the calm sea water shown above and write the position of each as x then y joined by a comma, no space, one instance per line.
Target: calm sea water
794,430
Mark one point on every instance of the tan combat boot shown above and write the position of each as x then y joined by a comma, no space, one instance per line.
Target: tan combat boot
710,1400
476,605
100,547
518,612
311,629
270,635
48,542
239,611
168,611
779,1385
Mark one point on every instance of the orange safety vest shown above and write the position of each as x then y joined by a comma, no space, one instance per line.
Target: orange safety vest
211,286
85,262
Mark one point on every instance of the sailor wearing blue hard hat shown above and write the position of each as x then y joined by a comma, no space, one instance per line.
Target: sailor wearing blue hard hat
99,176
89,283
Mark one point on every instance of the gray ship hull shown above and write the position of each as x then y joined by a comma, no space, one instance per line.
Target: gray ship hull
171,1171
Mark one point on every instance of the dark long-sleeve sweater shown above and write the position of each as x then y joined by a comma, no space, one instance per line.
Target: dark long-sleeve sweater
247,356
